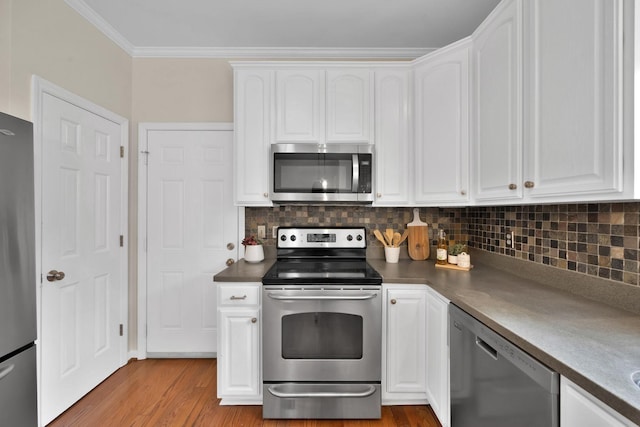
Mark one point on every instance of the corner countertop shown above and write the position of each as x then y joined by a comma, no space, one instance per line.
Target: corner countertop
595,345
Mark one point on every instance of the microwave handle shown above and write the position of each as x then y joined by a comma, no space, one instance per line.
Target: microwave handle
356,173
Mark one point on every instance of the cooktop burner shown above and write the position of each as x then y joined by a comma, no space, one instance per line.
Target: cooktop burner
321,255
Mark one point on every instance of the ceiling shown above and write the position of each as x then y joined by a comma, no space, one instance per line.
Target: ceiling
284,28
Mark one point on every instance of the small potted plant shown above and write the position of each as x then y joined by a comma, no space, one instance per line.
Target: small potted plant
454,251
253,251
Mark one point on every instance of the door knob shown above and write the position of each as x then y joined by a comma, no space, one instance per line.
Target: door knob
54,275
230,262
231,246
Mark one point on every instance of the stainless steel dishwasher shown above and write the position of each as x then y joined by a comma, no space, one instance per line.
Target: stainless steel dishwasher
494,383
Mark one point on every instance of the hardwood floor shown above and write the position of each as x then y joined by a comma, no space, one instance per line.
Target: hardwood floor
182,392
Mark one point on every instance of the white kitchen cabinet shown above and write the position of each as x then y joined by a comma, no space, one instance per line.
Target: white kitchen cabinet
551,115
497,104
442,126
438,356
578,408
573,92
252,127
300,105
404,374
324,104
393,159
349,105
239,345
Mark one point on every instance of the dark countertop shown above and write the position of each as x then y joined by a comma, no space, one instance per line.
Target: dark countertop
595,345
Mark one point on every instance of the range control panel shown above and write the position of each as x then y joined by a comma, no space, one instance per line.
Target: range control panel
294,237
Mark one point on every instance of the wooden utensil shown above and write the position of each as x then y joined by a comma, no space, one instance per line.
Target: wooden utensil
378,235
404,237
388,234
419,248
396,239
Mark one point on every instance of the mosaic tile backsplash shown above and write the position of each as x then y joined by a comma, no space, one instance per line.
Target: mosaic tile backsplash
599,239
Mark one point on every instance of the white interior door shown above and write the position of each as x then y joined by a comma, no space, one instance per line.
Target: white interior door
191,220
82,316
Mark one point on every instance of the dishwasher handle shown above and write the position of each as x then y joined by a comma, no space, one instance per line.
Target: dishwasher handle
492,352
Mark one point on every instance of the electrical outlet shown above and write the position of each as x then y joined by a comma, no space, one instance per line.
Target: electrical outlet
510,240
262,232
274,231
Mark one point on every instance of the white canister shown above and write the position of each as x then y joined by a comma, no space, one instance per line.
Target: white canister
464,260
391,254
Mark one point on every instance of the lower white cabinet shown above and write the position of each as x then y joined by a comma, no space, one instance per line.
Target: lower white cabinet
404,340
239,344
438,356
578,408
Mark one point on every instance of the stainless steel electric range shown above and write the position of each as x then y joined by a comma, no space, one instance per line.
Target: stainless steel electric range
322,321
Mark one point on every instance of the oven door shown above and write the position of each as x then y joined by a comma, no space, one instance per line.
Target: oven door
320,333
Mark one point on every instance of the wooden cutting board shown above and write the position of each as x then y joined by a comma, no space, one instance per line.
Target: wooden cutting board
418,239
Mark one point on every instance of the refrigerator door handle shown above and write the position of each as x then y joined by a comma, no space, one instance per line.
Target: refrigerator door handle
6,371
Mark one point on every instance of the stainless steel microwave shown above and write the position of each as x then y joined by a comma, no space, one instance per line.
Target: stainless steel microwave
321,173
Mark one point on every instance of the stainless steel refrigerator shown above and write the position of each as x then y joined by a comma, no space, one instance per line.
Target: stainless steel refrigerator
18,401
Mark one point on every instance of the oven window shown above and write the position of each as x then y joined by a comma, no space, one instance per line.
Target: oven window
312,173
322,336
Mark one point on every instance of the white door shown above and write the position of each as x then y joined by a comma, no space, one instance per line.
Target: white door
192,229
82,220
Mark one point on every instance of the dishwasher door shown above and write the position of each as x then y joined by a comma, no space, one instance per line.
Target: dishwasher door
494,383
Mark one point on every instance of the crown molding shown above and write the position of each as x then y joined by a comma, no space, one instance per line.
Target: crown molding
97,21
278,53
240,52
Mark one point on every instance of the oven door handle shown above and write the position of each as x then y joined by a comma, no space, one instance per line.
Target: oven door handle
366,392
282,297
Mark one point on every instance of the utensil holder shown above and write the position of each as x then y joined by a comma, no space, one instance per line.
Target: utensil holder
391,254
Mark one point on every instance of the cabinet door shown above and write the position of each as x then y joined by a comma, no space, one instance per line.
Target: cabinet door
239,353
252,100
579,408
497,100
442,126
406,344
349,105
393,158
300,106
574,94
438,356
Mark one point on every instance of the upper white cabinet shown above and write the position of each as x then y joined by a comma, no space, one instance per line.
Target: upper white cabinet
324,105
442,126
300,105
573,91
393,181
497,104
549,103
252,126
349,105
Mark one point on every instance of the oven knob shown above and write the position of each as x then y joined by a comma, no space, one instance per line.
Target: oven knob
293,238
359,237
283,237
349,237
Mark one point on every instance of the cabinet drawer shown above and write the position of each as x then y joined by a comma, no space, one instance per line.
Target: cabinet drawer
239,295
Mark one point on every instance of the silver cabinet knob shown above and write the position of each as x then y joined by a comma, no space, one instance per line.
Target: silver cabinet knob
378,195
231,246
254,320
463,193
529,184
265,194
230,262
54,275
512,187
393,301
